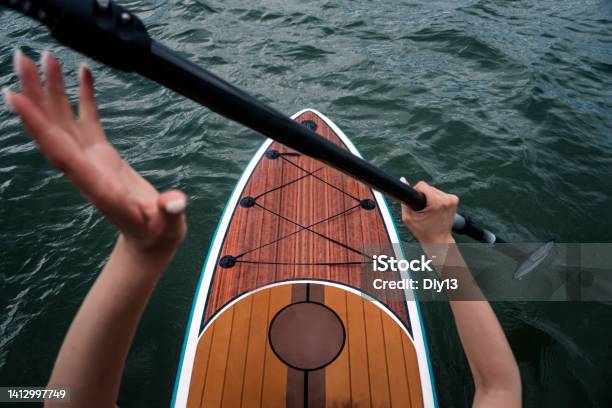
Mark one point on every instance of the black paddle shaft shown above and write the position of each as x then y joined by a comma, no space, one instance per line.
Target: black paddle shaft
110,34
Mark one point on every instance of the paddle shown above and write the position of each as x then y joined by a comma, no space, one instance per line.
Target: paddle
110,34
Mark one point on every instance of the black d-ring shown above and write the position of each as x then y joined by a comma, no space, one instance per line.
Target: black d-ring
310,125
368,204
247,202
227,262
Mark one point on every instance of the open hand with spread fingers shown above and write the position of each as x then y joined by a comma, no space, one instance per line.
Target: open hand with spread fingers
78,147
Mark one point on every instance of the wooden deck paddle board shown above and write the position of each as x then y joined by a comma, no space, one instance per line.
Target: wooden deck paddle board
279,318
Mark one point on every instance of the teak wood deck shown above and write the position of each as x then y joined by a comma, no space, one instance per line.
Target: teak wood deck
236,366
286,227
313,343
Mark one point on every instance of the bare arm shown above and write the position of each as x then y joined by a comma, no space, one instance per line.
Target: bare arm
92,357
151,225
496,376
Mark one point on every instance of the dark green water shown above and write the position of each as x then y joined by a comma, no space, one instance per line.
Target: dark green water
507,104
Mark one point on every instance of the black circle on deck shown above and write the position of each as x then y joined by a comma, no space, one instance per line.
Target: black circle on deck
247,202
272,154
307,335
368,204
310,124
227,262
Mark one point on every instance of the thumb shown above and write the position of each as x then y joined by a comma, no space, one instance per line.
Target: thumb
172,206
406,211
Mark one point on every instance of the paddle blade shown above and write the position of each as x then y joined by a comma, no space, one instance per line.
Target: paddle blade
533,260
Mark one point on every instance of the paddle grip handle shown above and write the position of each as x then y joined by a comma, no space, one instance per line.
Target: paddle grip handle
100,29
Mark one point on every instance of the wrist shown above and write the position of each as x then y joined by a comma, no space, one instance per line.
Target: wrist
153,260
138,248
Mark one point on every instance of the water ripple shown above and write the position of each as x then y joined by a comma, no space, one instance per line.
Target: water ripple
507,104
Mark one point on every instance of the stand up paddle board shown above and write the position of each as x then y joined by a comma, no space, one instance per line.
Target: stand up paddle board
279,318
